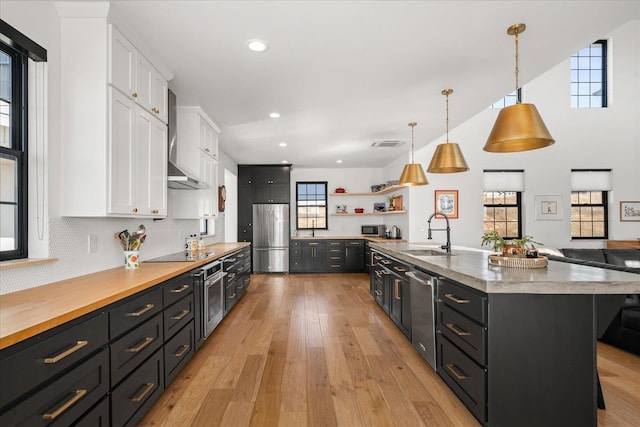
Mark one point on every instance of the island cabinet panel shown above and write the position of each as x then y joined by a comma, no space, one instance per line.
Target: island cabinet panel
177,352
134,311
518,359
64,400
29,364
391,290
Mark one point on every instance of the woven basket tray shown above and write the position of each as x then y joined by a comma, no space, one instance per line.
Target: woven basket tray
517,262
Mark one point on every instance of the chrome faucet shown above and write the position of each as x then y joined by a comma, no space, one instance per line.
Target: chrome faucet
446,246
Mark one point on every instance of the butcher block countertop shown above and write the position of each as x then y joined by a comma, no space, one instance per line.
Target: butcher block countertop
26,313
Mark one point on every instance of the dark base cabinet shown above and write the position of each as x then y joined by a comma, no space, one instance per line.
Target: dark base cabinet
326,256
391,290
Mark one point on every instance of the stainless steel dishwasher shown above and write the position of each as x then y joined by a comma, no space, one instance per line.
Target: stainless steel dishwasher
423,331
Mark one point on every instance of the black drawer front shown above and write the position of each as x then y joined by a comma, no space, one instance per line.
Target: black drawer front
335,265
465,333
466,379
335,253
462,300
134,312
398,268
178,315
131,399
231,296
177,351
335,243
66,399
354,243
176,288
243,283
133,348
313,243
99,416
35,364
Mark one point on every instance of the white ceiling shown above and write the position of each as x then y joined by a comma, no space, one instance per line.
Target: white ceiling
344,74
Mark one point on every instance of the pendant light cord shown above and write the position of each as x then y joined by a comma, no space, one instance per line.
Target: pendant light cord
517,69
412,124
447,98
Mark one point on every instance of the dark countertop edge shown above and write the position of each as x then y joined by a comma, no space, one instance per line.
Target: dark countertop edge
582,280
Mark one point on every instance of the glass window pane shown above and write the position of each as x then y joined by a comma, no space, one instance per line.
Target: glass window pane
5,100
575,214
585,229
501,228
574,197
596,197
575,229
8,179
512,214
511,198
8,227
598,213
598,229
586,214
512,229
489,214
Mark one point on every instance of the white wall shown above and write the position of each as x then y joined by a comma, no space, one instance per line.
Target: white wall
585,138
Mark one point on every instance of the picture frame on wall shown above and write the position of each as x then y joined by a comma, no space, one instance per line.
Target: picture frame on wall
630,211
446,201
548,208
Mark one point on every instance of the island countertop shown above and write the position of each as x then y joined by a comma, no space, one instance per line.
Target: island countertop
470,267
26,313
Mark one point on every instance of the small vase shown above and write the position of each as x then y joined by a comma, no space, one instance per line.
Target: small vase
131,259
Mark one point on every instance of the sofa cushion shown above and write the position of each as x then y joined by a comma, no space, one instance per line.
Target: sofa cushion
626,257
585,254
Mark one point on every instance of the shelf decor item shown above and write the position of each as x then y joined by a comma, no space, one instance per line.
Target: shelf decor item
629,211
446,201
380,207
514,253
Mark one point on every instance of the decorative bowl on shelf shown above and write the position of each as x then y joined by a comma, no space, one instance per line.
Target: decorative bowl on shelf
340,190
359,210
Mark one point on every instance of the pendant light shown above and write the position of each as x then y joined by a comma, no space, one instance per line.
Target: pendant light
412,174
448,157
518,127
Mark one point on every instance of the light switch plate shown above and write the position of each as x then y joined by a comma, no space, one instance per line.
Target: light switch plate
93,243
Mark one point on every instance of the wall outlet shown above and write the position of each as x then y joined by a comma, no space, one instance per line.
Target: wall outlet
93,243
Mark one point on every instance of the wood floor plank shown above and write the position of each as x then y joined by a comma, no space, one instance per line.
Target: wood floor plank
308,350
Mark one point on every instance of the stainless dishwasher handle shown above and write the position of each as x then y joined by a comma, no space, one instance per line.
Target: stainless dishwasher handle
418,279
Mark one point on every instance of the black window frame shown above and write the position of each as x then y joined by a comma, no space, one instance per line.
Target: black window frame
604,81
20,48
326,205
518,205
605,207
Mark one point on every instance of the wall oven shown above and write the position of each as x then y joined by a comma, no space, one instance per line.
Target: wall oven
209,280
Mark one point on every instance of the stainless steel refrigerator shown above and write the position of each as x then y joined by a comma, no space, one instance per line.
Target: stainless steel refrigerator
270,238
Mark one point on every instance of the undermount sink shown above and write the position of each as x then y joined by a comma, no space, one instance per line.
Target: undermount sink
425,252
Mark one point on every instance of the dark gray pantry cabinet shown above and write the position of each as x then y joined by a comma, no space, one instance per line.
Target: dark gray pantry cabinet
326,256
108,367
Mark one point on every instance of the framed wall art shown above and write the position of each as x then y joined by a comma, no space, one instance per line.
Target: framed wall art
548,208
630,211
446,201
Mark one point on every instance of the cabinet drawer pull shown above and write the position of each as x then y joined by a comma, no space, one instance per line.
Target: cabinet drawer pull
455,299
396,291
312,243
378,293
146,342
66,405
59,357
453,369
378,273
147,388
141,311
240,255
181,315
134,95
230,260
385,261
232,296
182,351
456,330
180,289
400,269
134,210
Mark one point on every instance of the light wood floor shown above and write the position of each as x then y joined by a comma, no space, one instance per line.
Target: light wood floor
316,350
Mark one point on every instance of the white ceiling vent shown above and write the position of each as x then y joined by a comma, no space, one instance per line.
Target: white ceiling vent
387,143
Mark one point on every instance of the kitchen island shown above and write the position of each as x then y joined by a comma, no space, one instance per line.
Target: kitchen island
517,346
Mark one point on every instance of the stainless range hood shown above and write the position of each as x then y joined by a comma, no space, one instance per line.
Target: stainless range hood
177,178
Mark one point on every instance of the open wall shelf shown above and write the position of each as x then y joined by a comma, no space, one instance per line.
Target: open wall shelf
384,191
369,213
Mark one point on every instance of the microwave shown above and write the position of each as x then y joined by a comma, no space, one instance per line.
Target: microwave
373,230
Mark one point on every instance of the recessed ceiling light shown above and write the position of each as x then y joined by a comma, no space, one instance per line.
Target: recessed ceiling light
283,144
256,45
338,161
274,115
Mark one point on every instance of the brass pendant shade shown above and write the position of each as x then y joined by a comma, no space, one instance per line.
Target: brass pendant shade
518,127
412,174
448,157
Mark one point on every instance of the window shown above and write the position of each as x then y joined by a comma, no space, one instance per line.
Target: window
15,52
502,213
589,76
311,205
502,201
589,211
510,99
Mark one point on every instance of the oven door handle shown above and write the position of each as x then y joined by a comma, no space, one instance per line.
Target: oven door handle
214,279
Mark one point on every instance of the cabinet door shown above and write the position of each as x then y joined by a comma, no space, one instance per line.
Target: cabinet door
354,258
144,82
150,165
158,168
159,97
122,63
208,139
121,147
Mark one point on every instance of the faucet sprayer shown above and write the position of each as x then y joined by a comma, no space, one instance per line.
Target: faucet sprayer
446,246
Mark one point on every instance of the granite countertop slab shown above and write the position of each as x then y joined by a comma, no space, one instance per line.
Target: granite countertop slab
470,267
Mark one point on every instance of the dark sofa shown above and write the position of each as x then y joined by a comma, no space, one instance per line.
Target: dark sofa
624,331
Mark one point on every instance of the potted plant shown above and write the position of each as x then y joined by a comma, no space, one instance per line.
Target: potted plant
495,240
526,245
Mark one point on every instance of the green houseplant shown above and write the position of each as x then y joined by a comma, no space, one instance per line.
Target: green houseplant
509,246
495,240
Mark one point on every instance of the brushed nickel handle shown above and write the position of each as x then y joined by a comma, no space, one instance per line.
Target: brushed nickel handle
452,368
180,289
400,269
313,243
396,291
385,261
145,343
459,332
181,315
141,311
231,259
66,405
183,350
378,293
148,387
240,256
455,299
232,296
69,351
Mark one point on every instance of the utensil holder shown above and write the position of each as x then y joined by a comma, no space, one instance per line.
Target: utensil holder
131,259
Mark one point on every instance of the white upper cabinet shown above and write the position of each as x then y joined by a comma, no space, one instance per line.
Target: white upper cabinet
132,74
113,146
197,135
